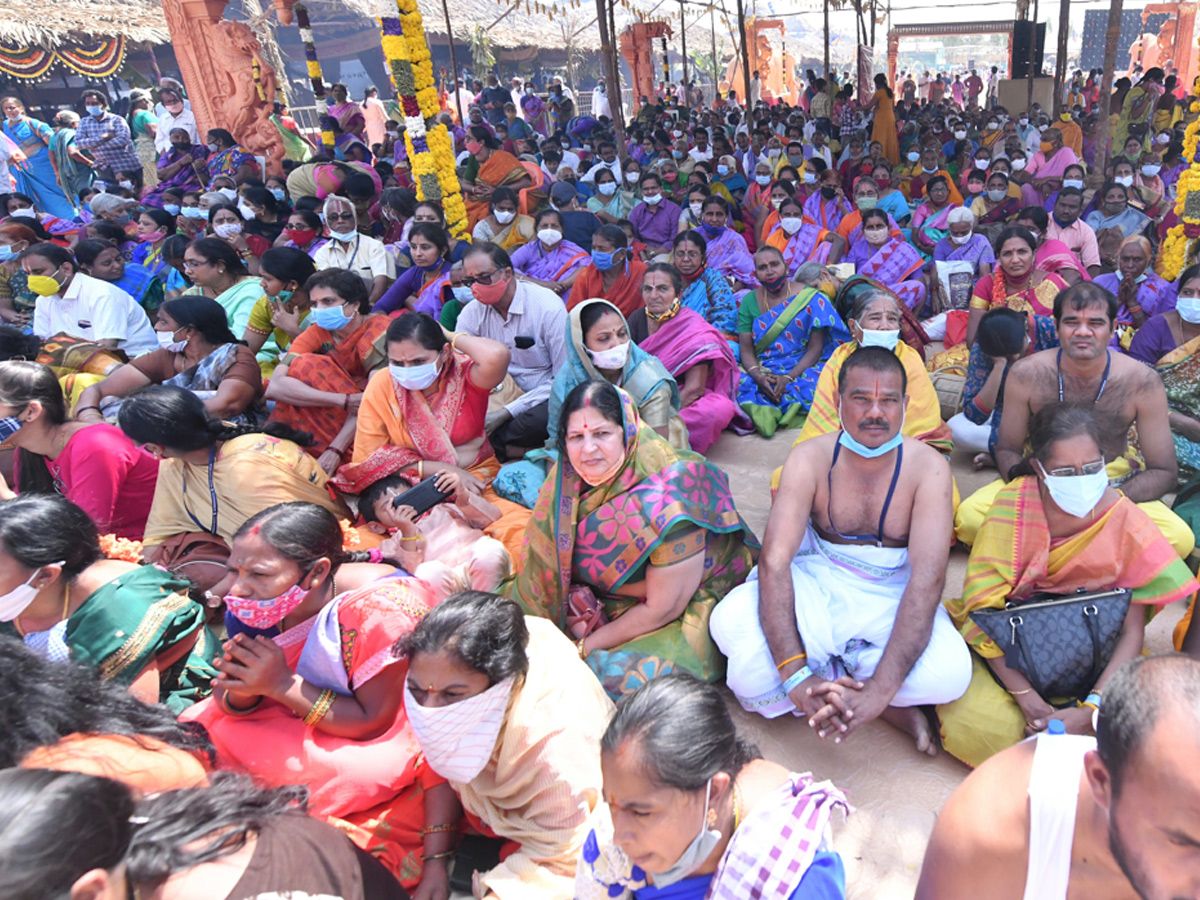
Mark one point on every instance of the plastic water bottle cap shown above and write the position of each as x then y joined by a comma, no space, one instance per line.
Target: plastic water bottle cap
1056,726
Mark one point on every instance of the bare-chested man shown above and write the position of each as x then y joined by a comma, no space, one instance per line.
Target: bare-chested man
1124,391
1069,817
844,622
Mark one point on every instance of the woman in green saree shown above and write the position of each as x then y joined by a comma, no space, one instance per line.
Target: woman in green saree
65,600
631,544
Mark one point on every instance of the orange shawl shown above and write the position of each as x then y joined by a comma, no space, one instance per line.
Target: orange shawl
625,294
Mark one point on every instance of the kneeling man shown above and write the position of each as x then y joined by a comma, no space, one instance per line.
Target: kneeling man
844,622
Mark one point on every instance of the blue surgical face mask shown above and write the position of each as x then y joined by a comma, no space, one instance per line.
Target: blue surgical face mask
1188,309
462,294
283,296
171,208
603,261
6,253
722,170
860,449
331,318
344,236
94,110
279,194
885,339
414,378
194,212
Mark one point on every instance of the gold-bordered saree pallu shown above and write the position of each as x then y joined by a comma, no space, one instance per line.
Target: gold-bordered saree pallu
664,506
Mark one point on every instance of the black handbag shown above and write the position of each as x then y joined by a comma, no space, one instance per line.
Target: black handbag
1060,643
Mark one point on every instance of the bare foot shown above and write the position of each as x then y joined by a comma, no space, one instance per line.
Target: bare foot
911,720
983,461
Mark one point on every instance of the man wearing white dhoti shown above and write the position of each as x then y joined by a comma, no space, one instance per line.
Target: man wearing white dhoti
844,626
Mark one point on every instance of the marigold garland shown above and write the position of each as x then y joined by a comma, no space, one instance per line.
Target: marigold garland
314,75
1178,248
114,547
430,149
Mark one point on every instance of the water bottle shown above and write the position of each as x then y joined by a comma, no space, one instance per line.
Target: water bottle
1056,726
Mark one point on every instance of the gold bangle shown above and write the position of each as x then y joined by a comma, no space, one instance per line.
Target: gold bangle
797,657
453,341
437,829
1091,705
583,654
321,707
420,474
431,856
415,537
1019,693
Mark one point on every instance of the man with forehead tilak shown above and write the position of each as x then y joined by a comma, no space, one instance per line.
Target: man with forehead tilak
842,622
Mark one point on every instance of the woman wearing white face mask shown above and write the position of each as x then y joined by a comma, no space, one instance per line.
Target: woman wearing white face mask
502,225
687,798
891,260
802,241
690,215
1071,531
551,261
197,351
1148,186
964,244
998,205
600,347
424,415
225,221
64,599
311,685
1170,342
484,695
612,201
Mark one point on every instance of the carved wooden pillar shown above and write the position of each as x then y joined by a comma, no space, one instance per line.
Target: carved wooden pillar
192,24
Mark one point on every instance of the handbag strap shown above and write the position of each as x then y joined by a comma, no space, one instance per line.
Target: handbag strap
1024,661
1093,626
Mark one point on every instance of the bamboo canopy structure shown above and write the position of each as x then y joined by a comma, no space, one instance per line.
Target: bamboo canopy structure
66,22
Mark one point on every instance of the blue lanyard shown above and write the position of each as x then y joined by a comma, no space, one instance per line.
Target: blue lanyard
1103,381
212,457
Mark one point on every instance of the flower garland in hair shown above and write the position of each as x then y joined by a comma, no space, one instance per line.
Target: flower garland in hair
1179,246
114,547
314,75
430,149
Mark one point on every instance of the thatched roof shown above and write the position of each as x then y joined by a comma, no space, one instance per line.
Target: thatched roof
53,23
517,28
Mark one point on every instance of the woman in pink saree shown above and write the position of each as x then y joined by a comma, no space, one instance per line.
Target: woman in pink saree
885,258
727,250
1051,255
695,353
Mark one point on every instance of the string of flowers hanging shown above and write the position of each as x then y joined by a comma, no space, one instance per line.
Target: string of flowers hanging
314,75
430,149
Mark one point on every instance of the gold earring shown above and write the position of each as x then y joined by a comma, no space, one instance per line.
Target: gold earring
711,818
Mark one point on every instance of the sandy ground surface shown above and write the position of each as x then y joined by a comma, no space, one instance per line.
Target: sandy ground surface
896,791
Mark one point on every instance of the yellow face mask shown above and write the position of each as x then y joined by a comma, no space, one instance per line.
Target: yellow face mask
1066,117
43,285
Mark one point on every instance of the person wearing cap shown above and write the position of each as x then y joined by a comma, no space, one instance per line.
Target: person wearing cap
578,225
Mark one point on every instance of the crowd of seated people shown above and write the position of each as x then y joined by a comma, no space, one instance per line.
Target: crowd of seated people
396,552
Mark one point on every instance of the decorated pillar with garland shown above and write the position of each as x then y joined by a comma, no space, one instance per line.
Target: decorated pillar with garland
1179,248
430,148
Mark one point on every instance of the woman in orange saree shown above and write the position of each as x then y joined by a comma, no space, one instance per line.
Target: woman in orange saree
319,382
310,687
424,418
488,168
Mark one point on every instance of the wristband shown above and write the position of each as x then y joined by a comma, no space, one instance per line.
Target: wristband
1093,700
797,678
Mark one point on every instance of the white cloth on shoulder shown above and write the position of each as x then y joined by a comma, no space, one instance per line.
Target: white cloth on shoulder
847,597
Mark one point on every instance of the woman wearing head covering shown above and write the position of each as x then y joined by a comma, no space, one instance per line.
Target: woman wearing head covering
600,347
1139,290
631,544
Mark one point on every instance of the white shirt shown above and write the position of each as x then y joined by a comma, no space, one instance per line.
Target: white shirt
823,153
598,164
536,313
701,155
600,105
364,256
166,122
95,311
755,91
570,159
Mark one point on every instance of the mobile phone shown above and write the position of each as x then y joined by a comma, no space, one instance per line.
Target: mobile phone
422,497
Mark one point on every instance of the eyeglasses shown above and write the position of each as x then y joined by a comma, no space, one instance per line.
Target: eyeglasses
485,278
1091,468
340,217
195,263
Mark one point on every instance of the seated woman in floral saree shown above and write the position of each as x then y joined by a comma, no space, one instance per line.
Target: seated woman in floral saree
1015,281
787,333
135,624
630,560
929,220
727,252
340,727
801,241
696,354
488,168
886,258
